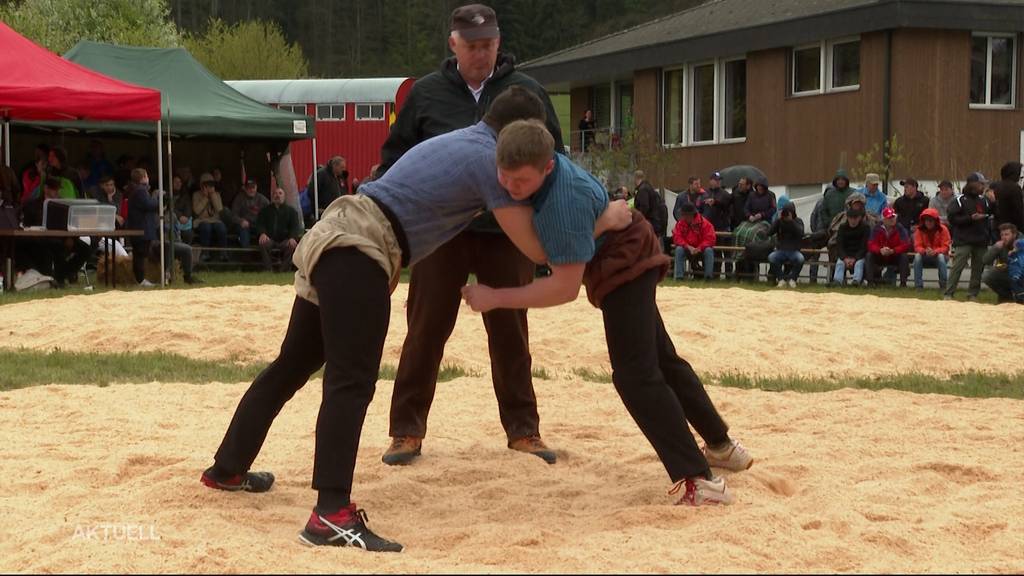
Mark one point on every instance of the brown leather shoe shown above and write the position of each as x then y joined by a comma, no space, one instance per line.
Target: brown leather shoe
534,445
403,450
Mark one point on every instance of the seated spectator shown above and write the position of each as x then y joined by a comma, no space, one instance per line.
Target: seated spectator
941,201
693,238
107,193
931,247
182,210
888,248
175,248
206,217
71,185
246,209
33,173
997,258
969,222
818,238
143,206
852,247
50,256
858,202
1016,270
909,206
875,199
278,227
761,205
10,191
789,233
753,238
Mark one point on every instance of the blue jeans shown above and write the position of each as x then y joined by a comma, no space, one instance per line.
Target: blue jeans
840,274
208,231
795,260
245,236
938,261
683,256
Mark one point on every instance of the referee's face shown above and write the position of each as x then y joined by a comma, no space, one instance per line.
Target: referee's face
523,182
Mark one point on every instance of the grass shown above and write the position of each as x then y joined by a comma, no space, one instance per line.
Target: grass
24,368
562,110
601,376
540,373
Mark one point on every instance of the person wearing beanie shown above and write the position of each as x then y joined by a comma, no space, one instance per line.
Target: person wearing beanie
789,233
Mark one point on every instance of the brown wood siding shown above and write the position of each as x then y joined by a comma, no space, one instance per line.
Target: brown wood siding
931,111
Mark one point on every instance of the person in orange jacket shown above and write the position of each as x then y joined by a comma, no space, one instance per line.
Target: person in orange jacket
931,247
693,237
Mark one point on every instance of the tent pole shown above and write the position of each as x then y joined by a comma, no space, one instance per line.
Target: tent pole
170,188
316,186
160,194
7,142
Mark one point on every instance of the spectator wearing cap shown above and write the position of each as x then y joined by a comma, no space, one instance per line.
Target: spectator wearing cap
649,202
787,261
761,205
206,210
941,201
970,218
1009,199
875,199
910,205
718,211
852,247
246,209
693,238
888,247
931,248
997,258
454,97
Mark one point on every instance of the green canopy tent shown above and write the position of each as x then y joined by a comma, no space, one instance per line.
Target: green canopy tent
195,104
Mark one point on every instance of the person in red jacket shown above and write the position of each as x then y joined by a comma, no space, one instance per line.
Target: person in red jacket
693,238
931,247
888,247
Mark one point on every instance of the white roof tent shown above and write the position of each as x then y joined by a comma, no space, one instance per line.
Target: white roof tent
328,91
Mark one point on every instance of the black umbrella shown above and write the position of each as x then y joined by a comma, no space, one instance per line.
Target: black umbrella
731,175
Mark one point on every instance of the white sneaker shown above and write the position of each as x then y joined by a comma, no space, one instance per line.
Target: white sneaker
698,492
146,284
792,283
733,457
781,284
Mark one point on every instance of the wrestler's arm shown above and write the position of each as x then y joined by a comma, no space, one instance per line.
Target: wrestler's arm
517,222
561,287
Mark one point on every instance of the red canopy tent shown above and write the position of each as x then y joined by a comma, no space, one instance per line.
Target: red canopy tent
37,84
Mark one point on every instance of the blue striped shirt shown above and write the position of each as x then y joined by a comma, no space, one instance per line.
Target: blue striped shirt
566,208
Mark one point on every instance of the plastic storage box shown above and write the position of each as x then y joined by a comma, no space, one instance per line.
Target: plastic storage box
78,215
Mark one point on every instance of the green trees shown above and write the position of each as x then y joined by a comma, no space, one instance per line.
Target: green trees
250,50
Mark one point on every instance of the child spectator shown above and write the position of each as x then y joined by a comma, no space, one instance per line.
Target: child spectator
142,212
693,237
789,233
852,247
931,247
888,247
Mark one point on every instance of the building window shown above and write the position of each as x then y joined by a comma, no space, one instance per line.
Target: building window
673,109
294,108
993,70
705,103
734,104
330,111
369,111
829,66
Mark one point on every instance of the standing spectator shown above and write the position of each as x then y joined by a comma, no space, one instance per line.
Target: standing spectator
123,173
997,258
331,181
969,219
694,195
455,97
142,215
761,205
875,199
931,247
278,227
650,203
588,129
834,201
740,194
206,217
909,206
789,233
941,201
852,247
245,209
718,210
888,247
1009,198
818,237
693,238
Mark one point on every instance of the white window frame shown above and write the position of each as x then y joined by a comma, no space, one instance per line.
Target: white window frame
688,108
332,105
988,71
383,107
292,108
720,101
691,73
825,67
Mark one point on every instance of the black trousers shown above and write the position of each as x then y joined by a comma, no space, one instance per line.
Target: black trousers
140,251
659,389
434,299
346,331
876,263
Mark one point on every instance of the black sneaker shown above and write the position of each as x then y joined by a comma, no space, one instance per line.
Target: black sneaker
248,482
346,527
